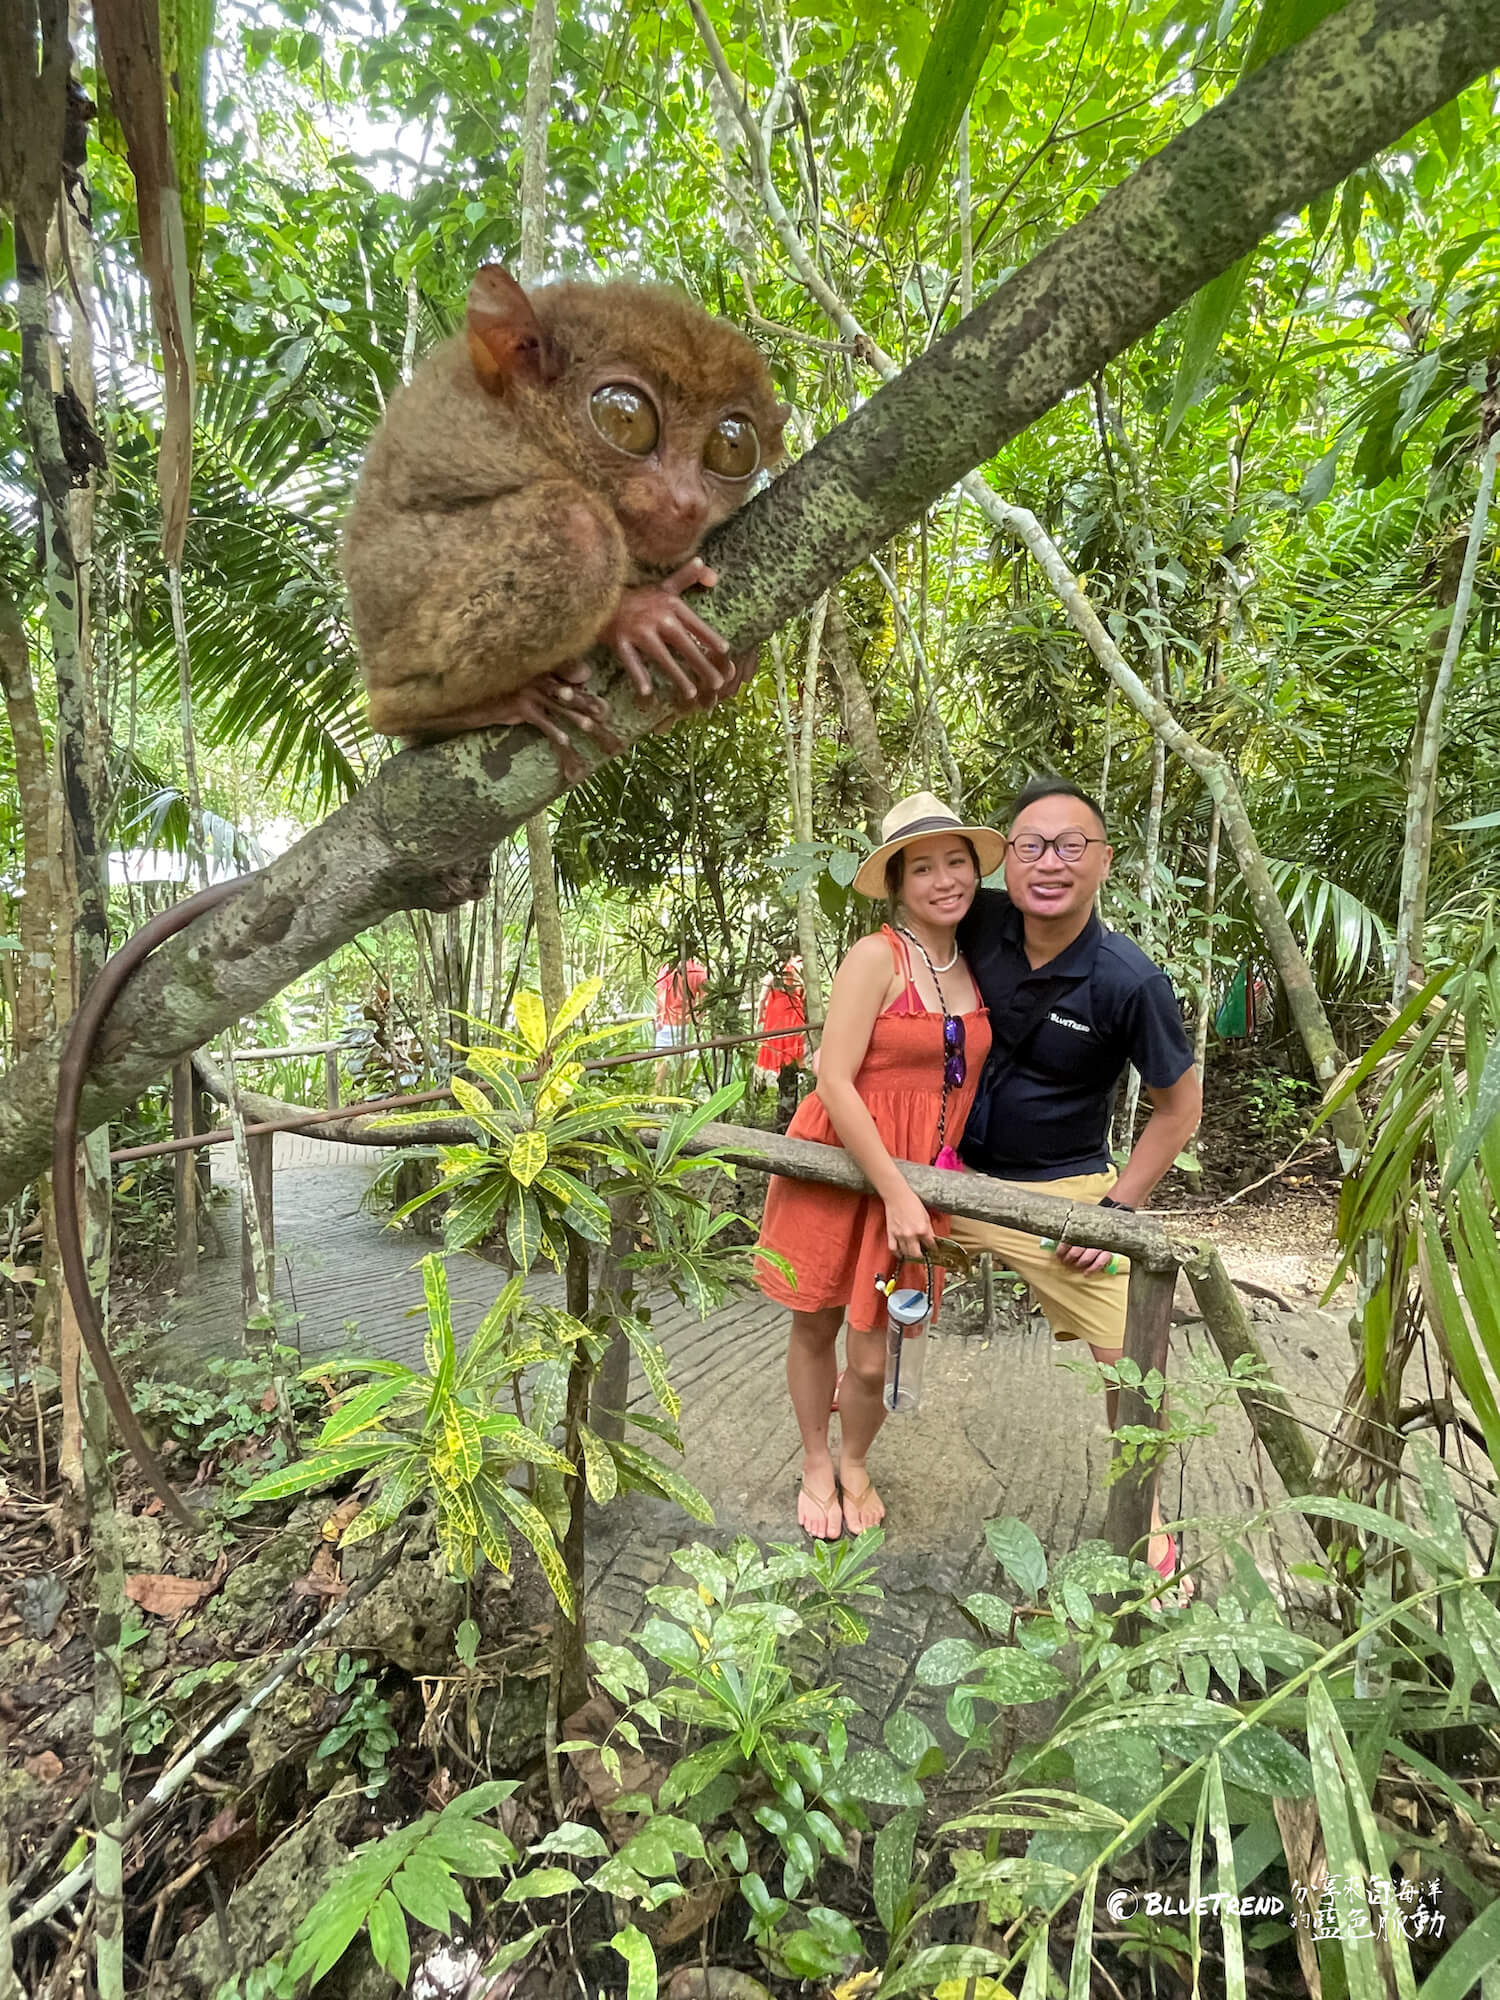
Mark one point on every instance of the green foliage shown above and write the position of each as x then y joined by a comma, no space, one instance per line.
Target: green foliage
1426,1186
228,1408
363,1735
438,1433
413,1872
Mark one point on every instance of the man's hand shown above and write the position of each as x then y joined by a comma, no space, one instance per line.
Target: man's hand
1079,1257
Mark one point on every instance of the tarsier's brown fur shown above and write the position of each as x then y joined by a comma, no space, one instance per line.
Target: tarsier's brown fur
496,535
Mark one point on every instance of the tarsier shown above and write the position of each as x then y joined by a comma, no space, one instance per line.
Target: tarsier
541,487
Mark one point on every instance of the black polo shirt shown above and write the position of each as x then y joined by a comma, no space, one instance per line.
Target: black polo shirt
1043,1107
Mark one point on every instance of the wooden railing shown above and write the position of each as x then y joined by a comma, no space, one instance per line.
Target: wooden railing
1156,1255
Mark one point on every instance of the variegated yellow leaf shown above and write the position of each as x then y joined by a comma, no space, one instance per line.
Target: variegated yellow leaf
598,1466
465,1446
528,1155
531,1019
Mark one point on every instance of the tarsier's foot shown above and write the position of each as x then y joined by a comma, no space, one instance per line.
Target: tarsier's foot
654,628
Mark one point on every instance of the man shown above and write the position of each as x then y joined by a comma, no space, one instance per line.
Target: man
1071,1005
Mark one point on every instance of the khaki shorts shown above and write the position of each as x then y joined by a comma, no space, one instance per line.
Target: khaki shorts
1078,1305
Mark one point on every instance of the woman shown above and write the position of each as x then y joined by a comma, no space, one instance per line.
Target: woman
903,1045
783,1004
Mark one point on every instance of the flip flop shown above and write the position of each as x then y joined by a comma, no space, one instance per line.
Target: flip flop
831,1502
865,1491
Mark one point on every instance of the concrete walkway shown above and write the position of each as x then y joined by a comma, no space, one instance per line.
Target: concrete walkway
1005,1428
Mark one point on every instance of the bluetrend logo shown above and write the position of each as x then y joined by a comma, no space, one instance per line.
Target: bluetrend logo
1124,1903
1067,1021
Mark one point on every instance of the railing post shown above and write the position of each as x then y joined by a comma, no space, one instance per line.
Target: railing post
259,1149
1148,1328
185,1175
331,1079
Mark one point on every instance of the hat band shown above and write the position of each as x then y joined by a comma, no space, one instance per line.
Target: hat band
924,826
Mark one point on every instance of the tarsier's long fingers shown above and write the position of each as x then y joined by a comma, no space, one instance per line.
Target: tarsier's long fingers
635,667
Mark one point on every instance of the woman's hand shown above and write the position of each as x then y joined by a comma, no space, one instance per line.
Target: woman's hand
908,1227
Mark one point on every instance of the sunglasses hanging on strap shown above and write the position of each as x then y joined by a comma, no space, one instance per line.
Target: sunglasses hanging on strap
955,1058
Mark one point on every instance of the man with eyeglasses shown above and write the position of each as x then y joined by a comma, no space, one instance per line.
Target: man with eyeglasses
1071,1005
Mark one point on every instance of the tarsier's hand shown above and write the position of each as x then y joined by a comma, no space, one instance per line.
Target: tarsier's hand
654,628
556,698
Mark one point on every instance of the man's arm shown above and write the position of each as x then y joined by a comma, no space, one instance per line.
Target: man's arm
1175,1111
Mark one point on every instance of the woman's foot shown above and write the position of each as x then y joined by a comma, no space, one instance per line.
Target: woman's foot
863,1506
818,1511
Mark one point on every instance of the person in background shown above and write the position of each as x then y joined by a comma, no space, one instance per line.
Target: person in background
1071,1004
677,991
903,1045
783,1004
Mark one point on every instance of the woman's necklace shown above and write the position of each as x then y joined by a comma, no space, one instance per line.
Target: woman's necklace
933,969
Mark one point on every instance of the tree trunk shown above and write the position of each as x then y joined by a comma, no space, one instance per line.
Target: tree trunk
1421,795
422,830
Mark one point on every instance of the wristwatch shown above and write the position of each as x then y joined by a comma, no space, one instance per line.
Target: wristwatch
1108,1201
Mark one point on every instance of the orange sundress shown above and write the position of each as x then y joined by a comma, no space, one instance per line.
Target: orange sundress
834,1240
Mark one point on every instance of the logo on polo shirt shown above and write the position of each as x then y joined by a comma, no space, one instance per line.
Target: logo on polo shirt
1067,1021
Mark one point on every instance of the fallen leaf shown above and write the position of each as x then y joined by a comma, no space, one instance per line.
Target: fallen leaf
638,1772
345,1512
714,1982
46,1765
322,1579
692,1913
171,1596
223,1826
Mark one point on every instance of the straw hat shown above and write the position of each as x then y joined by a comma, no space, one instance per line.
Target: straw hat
913,819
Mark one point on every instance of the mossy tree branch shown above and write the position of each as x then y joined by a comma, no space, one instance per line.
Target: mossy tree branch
421,834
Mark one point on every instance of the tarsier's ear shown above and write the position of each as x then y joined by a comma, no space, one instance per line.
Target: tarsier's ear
506,341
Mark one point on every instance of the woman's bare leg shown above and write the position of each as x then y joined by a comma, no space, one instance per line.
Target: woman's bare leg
810,1372
861,1413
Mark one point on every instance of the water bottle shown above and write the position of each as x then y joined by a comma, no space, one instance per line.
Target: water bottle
907,1314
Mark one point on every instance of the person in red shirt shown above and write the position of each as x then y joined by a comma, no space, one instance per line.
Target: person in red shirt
678,988
783,1004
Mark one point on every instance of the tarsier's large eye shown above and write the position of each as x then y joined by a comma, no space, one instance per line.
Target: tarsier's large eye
625,417
733,449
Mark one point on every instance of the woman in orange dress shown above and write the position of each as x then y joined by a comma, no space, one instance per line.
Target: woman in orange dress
903,1045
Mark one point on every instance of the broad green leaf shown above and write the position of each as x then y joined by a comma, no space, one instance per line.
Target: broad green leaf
895,1845
937,1962
644,1470
635,1948
961,40
528,1155
472,1212
1232,1940
321,1469
1016,1548
1331,1782
538,1882
477,1107
389,1939
358,1413
598,1466
438,1339
947,1661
